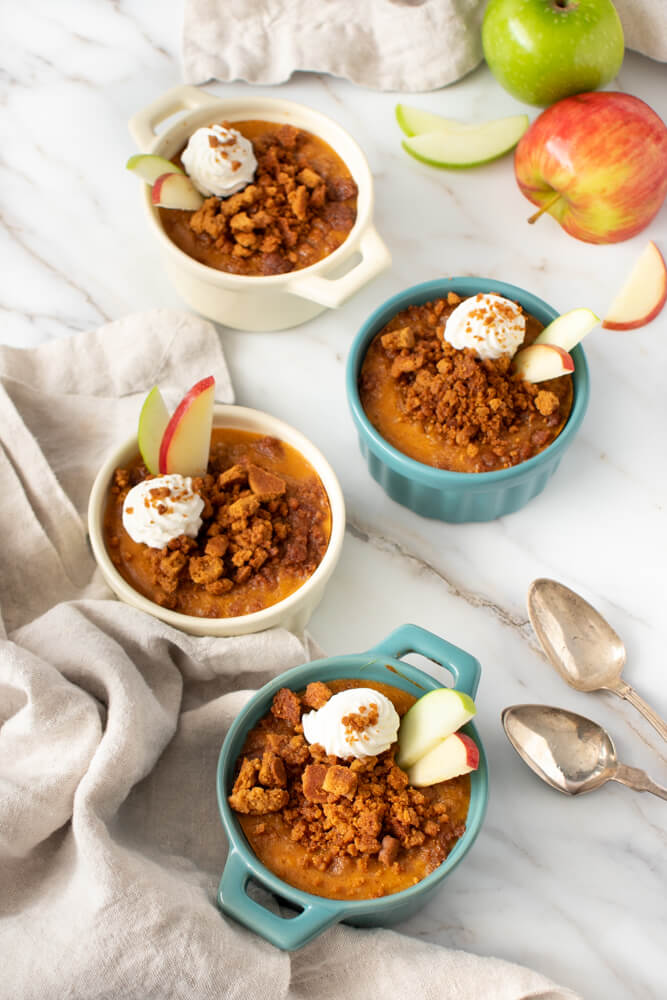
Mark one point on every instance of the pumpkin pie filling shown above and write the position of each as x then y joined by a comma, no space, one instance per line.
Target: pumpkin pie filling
266,524
299,207
342,828
449,408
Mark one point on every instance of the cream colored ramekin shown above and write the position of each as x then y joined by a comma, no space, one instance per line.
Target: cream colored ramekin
291,613
272,302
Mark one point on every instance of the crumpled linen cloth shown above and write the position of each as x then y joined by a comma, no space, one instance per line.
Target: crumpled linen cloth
400,45
111,722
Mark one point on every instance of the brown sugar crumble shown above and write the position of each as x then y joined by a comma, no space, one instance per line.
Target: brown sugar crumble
335,808
480,407
284,210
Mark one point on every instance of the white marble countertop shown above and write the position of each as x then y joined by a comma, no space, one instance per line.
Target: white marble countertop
575,888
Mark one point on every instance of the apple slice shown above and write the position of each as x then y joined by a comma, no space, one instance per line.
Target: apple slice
467,145
414,121
455,755
642,296
153,421
149,167
187,437
539,362
567,330
434,716
176,191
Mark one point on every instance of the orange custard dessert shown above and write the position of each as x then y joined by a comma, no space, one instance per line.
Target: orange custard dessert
259,528
343,821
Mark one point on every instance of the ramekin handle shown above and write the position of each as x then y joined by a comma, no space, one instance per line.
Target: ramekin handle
463,667
142,125
332,292
286,933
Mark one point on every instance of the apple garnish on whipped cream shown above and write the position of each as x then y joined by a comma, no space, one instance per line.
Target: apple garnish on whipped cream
487,323
359,722
219,161
158,510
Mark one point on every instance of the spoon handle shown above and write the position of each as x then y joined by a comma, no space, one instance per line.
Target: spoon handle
635,778
624,690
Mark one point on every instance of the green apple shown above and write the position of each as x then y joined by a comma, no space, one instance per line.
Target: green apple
153,421
458,145
543,50
433,717
414,121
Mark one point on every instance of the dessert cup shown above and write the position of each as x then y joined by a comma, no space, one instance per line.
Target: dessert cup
272,302
438,493
291,613
380,663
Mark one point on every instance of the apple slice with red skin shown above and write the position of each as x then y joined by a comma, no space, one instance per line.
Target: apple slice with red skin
186,441
153,421
453,756
539,362
568,329
149,167
642,296
434,716
176,191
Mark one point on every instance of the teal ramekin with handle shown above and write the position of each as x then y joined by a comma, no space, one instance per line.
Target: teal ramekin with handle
438,493
381,663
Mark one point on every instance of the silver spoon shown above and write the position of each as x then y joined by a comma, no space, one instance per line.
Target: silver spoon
569,752
581,645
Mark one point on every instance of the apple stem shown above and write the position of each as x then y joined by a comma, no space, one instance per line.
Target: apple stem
545,208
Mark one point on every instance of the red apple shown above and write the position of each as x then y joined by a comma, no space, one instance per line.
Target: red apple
597,163
642,296
539,362
187,438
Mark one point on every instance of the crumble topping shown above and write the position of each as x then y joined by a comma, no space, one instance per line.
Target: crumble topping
334,807
287,202
454,393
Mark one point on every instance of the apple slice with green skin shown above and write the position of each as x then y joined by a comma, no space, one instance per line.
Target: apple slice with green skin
414,121
567,330
153,421
467,145
176,191
186,441
540,362
149,167
434,716
455,755
642,296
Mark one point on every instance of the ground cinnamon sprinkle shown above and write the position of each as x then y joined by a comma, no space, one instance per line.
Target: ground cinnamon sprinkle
335,807
467,401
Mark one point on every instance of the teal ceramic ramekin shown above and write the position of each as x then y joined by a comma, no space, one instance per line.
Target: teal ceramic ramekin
458,496
381,663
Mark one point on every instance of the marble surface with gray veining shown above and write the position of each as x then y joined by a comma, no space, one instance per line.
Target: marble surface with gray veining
575,888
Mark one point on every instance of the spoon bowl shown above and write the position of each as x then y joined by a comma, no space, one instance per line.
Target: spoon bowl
571,753
582,645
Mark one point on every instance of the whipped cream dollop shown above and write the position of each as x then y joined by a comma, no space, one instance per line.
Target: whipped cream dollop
358,722
489,324
157,510
219,161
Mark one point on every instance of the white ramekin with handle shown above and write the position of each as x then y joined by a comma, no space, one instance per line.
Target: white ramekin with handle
294,611
271,302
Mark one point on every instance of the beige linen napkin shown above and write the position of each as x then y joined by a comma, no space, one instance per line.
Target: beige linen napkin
111,722
404,45
382,44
